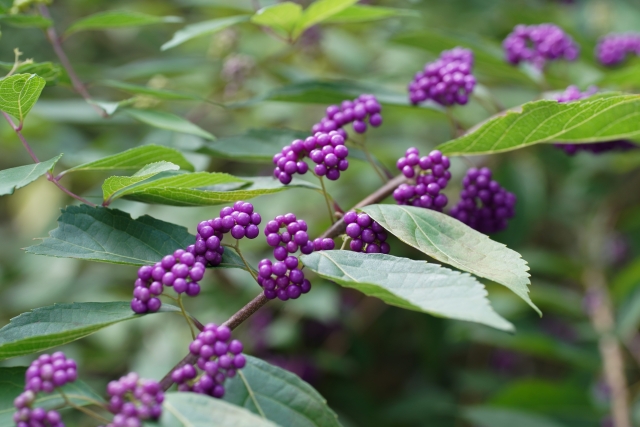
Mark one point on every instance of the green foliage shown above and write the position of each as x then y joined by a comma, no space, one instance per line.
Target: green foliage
168,121
47,70
201,29
319,11
169,95
281,17
26,21
486,416
279,396
18,94
14,178
365,13
118,19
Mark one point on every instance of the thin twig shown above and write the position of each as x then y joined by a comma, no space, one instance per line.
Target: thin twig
89,412
239,252
370,159
326,199
186,317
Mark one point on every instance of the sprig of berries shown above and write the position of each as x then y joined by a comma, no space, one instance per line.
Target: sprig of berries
431,174
134,400
366,234
537,44
282,279
613,48
361,110
286,234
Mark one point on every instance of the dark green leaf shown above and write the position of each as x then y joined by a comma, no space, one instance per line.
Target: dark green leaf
319,11
14,178
487,416
118,19
452,242
280,395
168,121
281,17
365,13
19,92
203,28
26,21
408,284
59,324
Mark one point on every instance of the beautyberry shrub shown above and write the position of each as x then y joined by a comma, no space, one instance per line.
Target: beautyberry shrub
537,44
431,175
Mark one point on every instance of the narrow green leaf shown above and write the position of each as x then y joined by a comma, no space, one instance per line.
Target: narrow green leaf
109,235
14,178
452,242
595,119
198,410
203,28
283,397
59,324
365,13
26,21
19,92
12,384
118,19
281,17
156,93
116,186
409,284
47,70
168,121
487,416
136,158
319,11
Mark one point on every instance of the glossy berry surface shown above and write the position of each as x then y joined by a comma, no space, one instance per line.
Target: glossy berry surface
286,235
537,44
282,279
365,233
133,400
430,175
614,48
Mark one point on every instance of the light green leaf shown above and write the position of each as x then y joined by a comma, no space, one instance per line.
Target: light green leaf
136,158
26,21
59,324
12,384
156,93
18,94
118,19
14,178
365,13
283,397
198,410
596,119
203,28
319,11
47,70
452,242
115,184
109,235
281,17
168,121
409,284
487,416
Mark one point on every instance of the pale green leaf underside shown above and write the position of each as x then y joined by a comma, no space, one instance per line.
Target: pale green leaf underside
283,397
167,121
281,17
409,284
198,410
118,19
365,13
14,178
136,158
203,28
601,118
452,242
319,11
18,94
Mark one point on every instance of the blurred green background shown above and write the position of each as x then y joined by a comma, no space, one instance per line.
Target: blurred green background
376,365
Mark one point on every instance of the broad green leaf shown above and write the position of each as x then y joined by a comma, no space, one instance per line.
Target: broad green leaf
109,235
409,284
118,19
198,410
18,94
452,242
156,93
136,158
365,13
487,416
203,28
281,396
319,11
168,121
627,77
12,384
47,70
281,17
14,178
59,324
116,186
595,119
26,21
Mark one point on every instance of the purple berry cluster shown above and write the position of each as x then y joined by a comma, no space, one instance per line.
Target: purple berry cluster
537,44
179,270
240,220
282,279
362,109
366,234
612,49
286,234
572,93
219,358
431,175
134,400
447,81
484,205
45,374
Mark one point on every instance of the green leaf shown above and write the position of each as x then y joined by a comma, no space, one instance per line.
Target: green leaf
156,93
487,416
118,19
136,158
18,94
168,121
203,28
59,324
409,284
47,70
627,77
365,13
109,235
117,186
198,410
452,242
12,384
596,119
14,178
283,397
26,21
319,11
281,17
